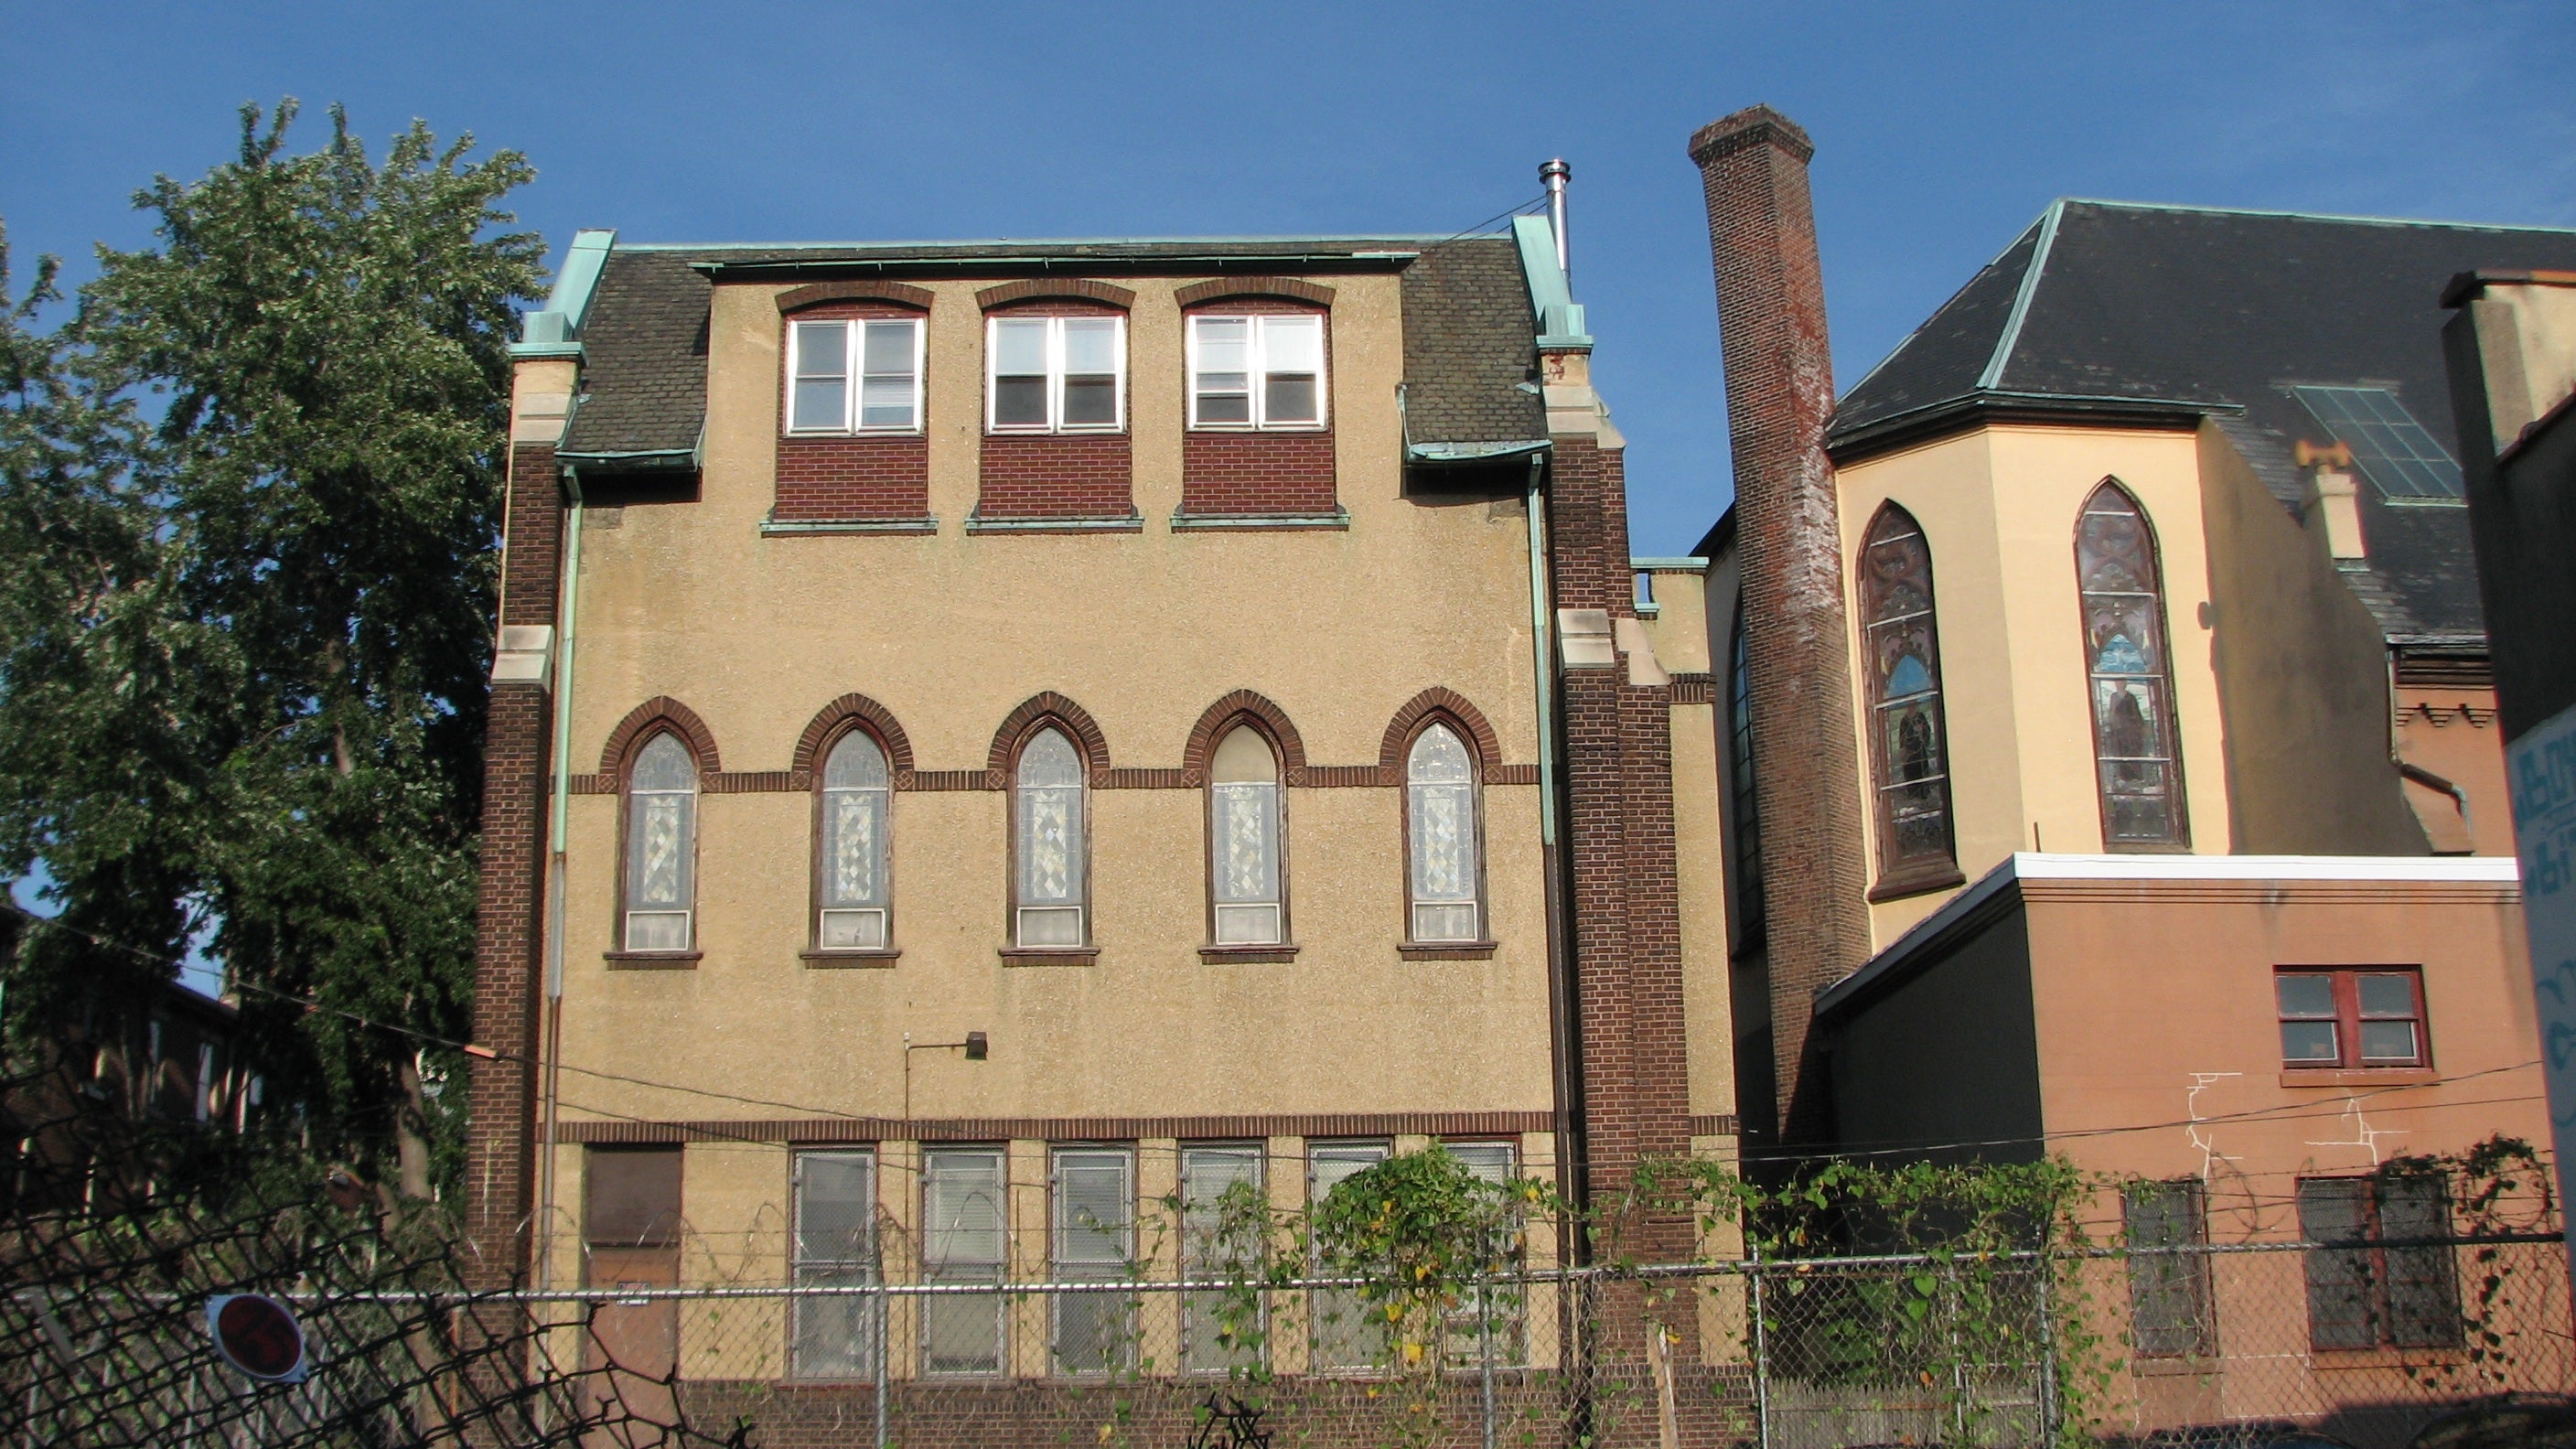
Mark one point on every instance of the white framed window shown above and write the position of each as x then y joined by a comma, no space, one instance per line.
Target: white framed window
862,375
661,846
1344,1336
852,890
1093,1241
963,1237
1257,372
1055,374
836,1247
1444,874
1244,838
1050,842
1222,1331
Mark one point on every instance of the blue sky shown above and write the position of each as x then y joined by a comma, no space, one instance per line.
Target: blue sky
1941,131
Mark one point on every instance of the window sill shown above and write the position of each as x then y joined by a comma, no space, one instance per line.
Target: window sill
2385,1358
2357,1076
801,434
796,528
993,430
1921,880
1071,523
857,957
2174,1365
1278,955
1448,950
653,960
1339,520
1262,429
1049,955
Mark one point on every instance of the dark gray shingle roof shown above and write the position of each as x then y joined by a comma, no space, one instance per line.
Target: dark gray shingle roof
644,385
1470,345
2219,312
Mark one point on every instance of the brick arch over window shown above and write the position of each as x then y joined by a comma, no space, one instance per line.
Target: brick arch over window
1437,701
1035,289
658,713
1292,289
855,291
1222,716
833,720
1023,721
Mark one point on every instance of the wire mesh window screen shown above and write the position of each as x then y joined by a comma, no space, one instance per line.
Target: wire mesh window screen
1222,1331
836,1247
2371,1294
1094,1241
2170,1312
963,1228
1342,1336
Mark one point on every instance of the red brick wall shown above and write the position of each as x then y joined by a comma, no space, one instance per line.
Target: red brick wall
1780,396
509,923
870,476
1226,471
1060,475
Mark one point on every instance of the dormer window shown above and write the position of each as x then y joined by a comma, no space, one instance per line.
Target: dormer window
855,376
1056,374
1257,372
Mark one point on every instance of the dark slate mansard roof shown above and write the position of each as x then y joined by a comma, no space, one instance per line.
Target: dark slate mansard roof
1469,329
2104,310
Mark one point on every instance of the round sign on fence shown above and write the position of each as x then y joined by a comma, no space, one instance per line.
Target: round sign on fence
258,1335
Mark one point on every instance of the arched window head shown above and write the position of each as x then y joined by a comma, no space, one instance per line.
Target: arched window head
1244,838
2137,766
1739,765
1909,747
1051,872
852,891
661,846
1445,877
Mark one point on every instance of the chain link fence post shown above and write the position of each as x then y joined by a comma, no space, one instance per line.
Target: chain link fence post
2047,1265
1761,1353
1485,1351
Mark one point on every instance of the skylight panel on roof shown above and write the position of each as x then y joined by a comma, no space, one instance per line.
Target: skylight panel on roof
2406,462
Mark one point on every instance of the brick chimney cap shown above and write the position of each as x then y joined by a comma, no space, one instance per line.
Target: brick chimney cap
1752,126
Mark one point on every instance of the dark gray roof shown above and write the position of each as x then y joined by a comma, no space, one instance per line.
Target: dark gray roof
1468,347
2108,309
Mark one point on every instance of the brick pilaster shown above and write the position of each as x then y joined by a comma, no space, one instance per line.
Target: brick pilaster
1780,396
500,1156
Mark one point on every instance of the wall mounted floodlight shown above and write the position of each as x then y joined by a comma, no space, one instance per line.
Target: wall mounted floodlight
977,1047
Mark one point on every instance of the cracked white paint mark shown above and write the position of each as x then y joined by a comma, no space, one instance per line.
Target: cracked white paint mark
2364,1135
2205,1143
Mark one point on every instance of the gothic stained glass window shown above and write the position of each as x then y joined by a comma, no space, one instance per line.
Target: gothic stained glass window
1243,839
1909,748
851,894
1739,764
1050,844
1440,786
2135,761
661,846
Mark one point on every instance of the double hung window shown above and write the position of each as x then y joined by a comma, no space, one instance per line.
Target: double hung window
2351,1019
851,888
1056,374
1223,1221
857,376
661,846
2170,1312
1244,841
1051,843
962,1241
1490,1320
2389,1280
1257,372
1445,876
1344,1336
1094,1241
836,1247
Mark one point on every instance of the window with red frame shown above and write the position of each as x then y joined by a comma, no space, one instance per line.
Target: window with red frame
2352,1017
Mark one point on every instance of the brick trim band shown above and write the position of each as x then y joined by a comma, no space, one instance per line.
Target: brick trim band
640,722
1293,289
833,719
1437,700
855,291
1243,704
1031,289
1050,705
1302,777
1061,1129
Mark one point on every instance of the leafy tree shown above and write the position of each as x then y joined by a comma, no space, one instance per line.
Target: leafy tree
243,687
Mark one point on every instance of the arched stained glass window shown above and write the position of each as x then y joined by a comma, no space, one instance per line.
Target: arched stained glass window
1909,748
1445,879
1244,841
1050,843
661,846
852,891
2137,767
1739,766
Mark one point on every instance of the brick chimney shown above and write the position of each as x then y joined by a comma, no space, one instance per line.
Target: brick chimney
1779,397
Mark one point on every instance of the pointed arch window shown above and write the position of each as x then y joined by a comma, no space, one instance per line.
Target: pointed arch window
1739,764
1050,875
853,895
661,847
1445,876
2137,766
1246,882
1908,741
